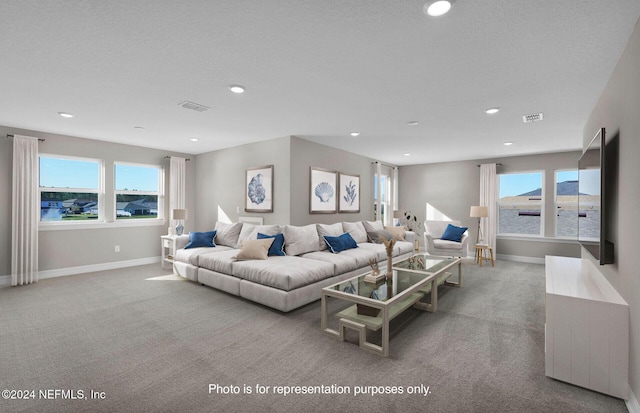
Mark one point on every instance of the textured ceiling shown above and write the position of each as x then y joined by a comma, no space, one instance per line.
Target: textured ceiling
313,69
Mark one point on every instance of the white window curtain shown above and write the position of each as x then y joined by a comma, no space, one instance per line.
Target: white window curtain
25,211
488,198
177,183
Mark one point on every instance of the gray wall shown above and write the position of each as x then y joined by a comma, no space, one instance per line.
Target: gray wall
453,187
305,154
617,111
60,249
220,182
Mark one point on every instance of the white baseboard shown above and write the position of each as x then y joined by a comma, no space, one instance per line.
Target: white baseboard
632,404
83,269
519,258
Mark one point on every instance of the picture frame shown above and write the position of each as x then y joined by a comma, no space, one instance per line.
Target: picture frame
258,189
323,192
349,193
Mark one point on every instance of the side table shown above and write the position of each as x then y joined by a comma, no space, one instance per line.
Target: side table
480,254
168,246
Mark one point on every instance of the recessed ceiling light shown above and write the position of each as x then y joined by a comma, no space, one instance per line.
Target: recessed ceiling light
139,127
194,139
491,111
407,154
508,143
412,123
236,88
437,8
65,115
355,134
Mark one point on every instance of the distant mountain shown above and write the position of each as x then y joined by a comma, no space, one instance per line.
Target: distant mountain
564,188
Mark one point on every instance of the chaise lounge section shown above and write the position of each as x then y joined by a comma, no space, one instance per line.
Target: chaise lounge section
296,278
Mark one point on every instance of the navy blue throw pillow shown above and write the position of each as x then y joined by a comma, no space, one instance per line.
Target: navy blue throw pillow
453,233
201,239
341,243
277,248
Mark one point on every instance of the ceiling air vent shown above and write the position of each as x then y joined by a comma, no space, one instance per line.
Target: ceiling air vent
532,117
194,106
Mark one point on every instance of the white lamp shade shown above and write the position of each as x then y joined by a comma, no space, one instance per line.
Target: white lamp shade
179,214
479,212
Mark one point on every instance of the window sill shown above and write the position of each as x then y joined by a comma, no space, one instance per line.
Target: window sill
61,226
536,238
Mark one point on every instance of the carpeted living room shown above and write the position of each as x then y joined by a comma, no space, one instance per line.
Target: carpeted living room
325,206
153,343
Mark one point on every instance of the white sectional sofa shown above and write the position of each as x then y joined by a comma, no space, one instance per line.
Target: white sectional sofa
295,279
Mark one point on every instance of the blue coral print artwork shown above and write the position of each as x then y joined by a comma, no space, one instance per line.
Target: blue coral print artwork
259,189
349,193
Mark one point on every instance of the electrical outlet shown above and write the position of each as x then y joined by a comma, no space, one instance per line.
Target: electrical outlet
117,249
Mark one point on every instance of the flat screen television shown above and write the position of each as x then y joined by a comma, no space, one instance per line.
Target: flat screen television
592,223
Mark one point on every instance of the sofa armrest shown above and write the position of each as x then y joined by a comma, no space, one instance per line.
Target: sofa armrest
181,241
410,236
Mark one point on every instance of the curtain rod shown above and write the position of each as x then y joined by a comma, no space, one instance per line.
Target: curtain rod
11,136
384,164
498,164
168,157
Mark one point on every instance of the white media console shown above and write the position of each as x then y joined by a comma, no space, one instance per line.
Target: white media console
586,328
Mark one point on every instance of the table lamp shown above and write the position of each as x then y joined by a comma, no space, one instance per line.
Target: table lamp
179,215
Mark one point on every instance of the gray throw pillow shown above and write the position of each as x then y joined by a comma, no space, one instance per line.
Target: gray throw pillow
356,230
375,236
333,230
299,240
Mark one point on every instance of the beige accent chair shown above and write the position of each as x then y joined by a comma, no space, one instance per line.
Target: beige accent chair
433,230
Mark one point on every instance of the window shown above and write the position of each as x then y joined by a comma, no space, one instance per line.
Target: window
567,203
138,190
520,203
70,189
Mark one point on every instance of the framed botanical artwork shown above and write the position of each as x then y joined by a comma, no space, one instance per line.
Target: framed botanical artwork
258,189
323,191
349,192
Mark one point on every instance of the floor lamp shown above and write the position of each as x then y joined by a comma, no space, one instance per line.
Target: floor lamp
479,212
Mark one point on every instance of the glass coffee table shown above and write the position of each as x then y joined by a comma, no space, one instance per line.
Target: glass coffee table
374,305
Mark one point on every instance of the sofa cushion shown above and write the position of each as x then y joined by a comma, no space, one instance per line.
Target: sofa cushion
342,263
201,239
396,232
300,240
250,231
285,273
453,233
277,248
378,250
340,243
356,230
228,233
444,244
333,230
191,255
254,249
219,261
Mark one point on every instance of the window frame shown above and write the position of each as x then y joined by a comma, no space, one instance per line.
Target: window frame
160,193
539,235
555,204
100,190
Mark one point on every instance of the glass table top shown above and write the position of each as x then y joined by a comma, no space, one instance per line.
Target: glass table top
406,274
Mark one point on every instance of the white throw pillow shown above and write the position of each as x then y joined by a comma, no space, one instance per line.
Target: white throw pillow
372,226
396,232
356,230
333,230
300,240
227,234
250,231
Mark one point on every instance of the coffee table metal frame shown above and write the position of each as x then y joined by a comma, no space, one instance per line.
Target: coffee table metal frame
388,309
